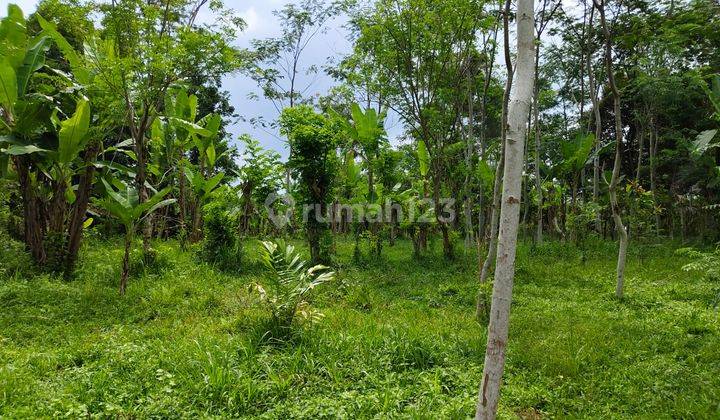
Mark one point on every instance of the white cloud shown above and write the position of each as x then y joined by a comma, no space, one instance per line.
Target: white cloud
252,19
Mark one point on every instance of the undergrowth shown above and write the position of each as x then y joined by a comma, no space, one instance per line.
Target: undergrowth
398,338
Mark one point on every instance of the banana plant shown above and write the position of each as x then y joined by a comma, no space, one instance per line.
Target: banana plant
30,123
205,141
367,136
703,142
177,132
202,189
123,203
23,115
576,154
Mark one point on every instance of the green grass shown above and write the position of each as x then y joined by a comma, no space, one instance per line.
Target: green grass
399,339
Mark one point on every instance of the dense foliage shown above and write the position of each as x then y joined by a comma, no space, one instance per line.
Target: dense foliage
114,122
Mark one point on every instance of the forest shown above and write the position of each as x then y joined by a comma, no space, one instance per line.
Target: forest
473,209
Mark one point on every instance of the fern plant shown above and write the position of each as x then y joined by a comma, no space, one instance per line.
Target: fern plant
707,263
291,283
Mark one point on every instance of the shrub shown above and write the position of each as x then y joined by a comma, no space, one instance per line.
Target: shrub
290,285
222,246
707,263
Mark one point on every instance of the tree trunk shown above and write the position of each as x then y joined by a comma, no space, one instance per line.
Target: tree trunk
467,207
483,135
641,145
58,207
140,180
653,173
495,213
126,261
598,131
82,199
538,180
621,230
196,234
182,195
518,112
444,228
33,226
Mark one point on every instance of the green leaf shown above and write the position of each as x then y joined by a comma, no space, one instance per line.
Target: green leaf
70,195
211,183
88,222
192,107
212,124
116,167
72,133
702,143
423,158
34,60
8,85
159,205
195,179
117,197
81,73
16,150
13,36
190,127
210,152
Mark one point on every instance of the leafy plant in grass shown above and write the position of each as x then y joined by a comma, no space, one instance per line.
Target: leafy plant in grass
707,263
202,189
221,245
124,204
290,284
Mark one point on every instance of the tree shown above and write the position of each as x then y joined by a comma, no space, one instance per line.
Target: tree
518,112
158,44
202,189
313,140
498,180
367,138
124,204
259,177
277,63
541,23
438,38
612,189
44,149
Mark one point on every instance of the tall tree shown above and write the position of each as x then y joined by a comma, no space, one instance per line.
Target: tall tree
518,112
614,205
497,185
421,48
545,15
158,44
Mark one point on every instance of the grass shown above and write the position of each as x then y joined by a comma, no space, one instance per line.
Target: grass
398,340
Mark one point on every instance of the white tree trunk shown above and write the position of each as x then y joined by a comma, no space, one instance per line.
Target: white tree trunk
538,180
614,205
519,109
497,185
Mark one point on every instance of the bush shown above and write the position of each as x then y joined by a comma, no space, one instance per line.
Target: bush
290,284
222,246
